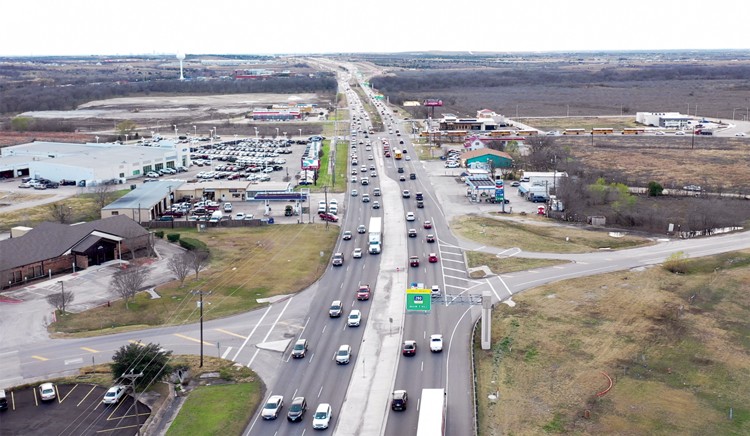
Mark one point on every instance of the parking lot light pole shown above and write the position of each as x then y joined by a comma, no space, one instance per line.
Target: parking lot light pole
300,132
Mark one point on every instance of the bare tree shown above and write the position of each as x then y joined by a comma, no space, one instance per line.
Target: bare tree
198,260
127,282
60,213
102,195
59,300
181,266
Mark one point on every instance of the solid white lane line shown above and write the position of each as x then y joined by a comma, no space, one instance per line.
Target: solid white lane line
251,333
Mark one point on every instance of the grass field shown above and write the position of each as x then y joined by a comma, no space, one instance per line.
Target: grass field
588,123
83,207
324,177
246,264
675,345
539,238
217,410
503,265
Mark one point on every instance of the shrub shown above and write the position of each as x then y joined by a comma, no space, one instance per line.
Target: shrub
159,234
654,189
193,244
173,237
677,263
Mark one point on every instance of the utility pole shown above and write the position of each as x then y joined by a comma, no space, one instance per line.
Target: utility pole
62,295
131,378
200,304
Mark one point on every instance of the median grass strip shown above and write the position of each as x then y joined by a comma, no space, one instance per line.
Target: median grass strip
549,238
246,264
676,346
217,410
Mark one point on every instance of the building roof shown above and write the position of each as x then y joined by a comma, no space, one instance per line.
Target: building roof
50,240
145,195
91,154
483,152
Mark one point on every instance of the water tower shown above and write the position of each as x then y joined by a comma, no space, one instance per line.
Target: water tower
181,57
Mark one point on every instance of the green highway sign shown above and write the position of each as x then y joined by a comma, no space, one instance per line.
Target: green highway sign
418,300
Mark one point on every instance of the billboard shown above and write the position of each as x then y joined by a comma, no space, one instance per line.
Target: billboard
432,102
310,164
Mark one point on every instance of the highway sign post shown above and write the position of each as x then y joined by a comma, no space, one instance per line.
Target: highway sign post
418,300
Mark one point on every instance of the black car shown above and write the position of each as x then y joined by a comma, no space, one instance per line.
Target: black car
399,400
400,170
297,409
412,176
412,233
420,204
419,196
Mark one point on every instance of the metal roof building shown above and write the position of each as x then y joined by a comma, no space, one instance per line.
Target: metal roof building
146,202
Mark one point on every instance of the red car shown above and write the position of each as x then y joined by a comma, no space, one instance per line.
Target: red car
433,258
363,293
413,261
409,348
328,217
427,225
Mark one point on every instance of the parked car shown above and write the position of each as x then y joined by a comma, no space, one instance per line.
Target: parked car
47,392
114,394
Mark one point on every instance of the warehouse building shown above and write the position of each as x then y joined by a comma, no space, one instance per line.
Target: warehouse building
92,163
667,120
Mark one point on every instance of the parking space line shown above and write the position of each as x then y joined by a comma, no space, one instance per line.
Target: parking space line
229,333
108,430
66,395
93,388
43,359
90,350
192,339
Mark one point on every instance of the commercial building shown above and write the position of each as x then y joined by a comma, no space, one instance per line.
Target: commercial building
262,114
487,158
667,120
53,248
146,202
485,121
92,163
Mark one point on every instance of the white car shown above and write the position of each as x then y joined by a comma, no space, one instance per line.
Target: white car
240,216
343,355
408,157
355,317
114,394
410,216
436,343
152,174
679,133
357,253
273,407
47,391
740,134
322,417
354,193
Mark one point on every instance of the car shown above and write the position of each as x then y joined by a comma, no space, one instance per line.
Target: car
354,193
249,217
399,400
410,216
400,170
427,224
515,183
354,173
365,181
692,188
361,229
419,196
357,253
114,394
376,205
370,157
347,235
153,174
420,204
365,198
402,178
412,176
412,233
343,355
272,407
435,291
328,217
300,349
432,258
452,165
297,409
679,133
354,319
740,134
405,193
659,133
407,157
239,216
363,169
430,238
335,310
409,348
363,293
414,261
338,259
376,192
436,343
322,417
373,174
47,392
227,207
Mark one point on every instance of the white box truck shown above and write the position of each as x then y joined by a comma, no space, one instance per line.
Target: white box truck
375,237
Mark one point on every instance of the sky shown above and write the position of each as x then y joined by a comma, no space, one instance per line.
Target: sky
105,27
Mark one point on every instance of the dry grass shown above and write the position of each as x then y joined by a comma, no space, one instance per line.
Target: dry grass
247,264
678,367
503,265
539,238
617,123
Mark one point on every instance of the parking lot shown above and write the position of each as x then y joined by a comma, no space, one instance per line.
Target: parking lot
77,409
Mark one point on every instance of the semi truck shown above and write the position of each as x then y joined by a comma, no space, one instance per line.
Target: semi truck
375,237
